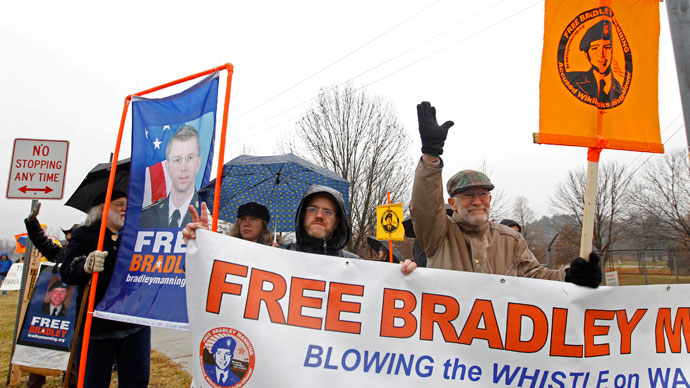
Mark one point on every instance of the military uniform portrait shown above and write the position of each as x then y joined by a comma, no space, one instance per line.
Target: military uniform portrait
598,81
56,301
182,164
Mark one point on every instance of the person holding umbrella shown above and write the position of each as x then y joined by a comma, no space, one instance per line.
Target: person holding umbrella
252,224
126,343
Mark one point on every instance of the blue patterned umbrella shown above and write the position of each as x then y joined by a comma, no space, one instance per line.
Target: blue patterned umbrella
277,182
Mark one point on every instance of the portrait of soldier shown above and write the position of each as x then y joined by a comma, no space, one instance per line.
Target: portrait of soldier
57,294
183,161
597,82
389,224
221,373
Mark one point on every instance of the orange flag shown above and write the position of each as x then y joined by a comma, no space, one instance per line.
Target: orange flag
21,242
599,75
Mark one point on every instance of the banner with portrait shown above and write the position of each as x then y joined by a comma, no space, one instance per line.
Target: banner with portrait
266,317
389,222
599,75
172,155
48,328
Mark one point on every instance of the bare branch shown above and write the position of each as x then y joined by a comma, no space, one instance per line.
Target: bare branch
358,136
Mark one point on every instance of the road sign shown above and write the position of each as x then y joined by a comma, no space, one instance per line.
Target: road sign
38,169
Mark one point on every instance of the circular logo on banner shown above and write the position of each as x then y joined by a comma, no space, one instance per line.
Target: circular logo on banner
227,357
594,59
390,221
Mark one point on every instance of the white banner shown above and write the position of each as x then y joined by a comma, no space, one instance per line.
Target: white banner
13,280
265,317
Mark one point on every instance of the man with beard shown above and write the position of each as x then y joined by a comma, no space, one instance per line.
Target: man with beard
126,343
467,240
321,225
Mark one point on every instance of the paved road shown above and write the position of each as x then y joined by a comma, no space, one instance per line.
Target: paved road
174,344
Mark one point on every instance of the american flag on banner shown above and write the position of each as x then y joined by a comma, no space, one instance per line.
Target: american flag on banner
157,182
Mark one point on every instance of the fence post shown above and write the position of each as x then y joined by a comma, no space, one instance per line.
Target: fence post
675,265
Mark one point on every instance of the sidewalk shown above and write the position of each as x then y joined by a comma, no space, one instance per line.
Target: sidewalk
174,344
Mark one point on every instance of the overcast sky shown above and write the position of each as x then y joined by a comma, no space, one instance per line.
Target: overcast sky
67,67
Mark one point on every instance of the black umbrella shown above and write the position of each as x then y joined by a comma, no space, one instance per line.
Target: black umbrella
377,245
409,229
96,182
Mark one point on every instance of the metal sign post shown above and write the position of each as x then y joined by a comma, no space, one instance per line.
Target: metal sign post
29,272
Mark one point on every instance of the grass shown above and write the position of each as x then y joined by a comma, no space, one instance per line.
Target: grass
657,273
625,279
164,372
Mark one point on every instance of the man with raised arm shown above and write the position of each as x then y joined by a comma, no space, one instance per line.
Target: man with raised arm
467,240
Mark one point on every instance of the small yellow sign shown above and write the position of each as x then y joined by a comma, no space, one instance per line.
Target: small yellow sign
389,224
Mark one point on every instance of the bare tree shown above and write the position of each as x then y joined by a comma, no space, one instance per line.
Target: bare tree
7,245
499,199
358,136
567,245
662,198
523,215
613,198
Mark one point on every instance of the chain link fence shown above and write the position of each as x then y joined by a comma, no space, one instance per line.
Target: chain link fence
649,266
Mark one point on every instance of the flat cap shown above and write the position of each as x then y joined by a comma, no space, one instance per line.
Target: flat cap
467,179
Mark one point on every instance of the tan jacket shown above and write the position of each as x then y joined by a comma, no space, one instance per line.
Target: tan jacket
450,243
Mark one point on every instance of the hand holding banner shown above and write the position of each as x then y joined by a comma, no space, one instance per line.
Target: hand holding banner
267,317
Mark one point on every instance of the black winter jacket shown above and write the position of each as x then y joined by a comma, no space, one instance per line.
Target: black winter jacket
85,240
332,247
53,252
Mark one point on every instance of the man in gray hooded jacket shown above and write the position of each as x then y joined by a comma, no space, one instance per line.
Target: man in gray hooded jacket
321,224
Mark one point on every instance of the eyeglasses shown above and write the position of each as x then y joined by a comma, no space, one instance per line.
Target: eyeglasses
469,197
328,213
176,161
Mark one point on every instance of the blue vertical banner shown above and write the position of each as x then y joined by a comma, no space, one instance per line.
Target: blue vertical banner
172,155
46,334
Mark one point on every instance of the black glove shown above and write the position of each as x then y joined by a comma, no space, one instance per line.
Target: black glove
584,273
433,136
